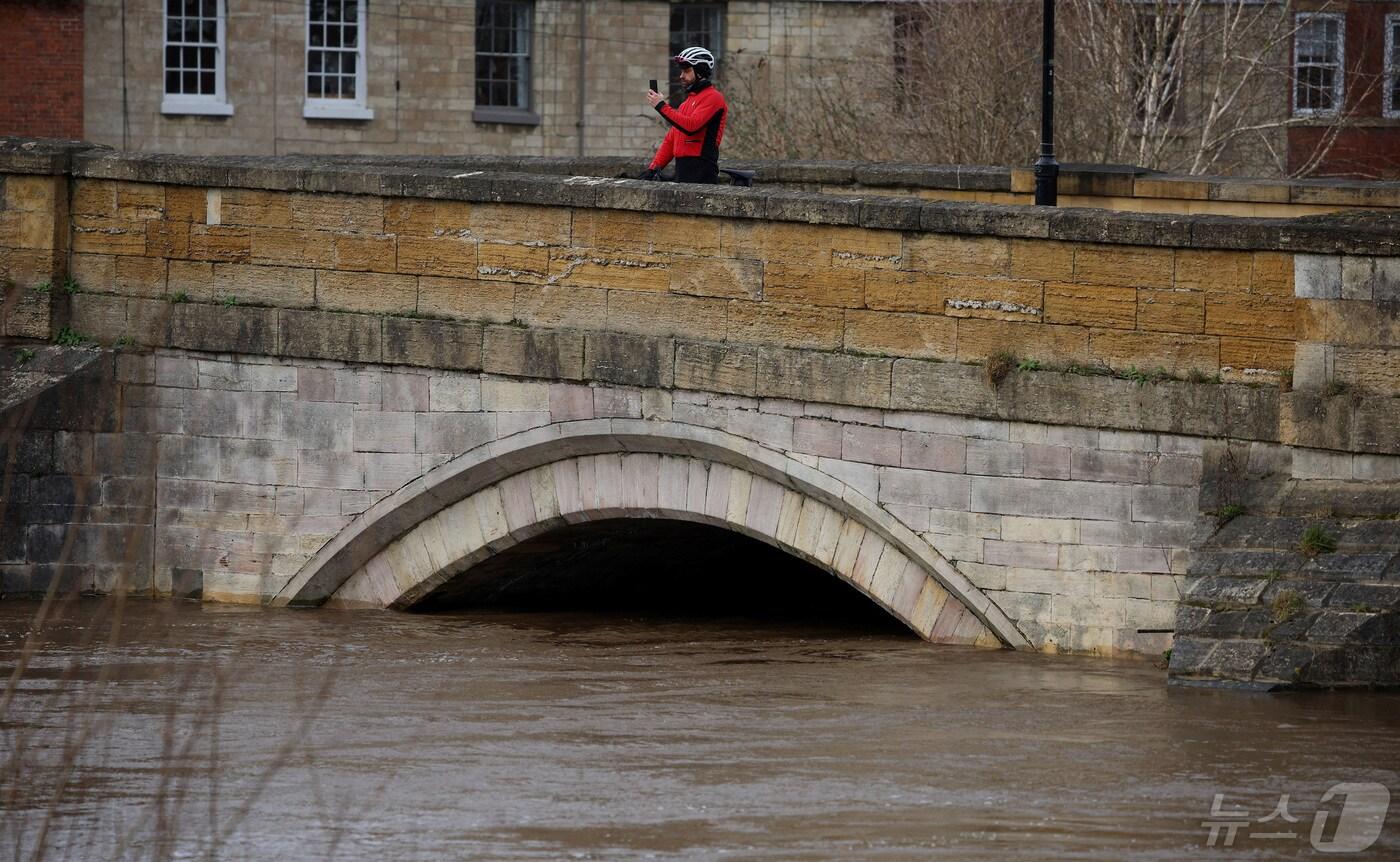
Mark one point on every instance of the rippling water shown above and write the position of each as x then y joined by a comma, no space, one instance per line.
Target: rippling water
266,734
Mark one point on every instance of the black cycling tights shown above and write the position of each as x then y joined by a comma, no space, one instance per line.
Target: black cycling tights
694,169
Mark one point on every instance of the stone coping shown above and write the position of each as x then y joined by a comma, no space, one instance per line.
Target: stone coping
1357,232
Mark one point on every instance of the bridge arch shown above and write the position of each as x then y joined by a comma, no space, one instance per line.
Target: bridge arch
507,491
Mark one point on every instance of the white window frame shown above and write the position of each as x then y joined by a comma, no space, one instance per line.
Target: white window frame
1390,106
216,105
340,109
1339,83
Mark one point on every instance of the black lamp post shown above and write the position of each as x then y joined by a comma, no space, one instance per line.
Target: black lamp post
1047,170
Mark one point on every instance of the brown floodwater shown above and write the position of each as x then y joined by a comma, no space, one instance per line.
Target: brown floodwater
205,731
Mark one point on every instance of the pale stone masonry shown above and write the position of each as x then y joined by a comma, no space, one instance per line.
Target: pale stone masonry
316,361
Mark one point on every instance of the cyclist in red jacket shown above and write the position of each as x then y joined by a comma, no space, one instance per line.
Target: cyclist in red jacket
697,126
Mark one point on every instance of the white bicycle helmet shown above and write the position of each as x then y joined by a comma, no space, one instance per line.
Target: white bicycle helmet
703,61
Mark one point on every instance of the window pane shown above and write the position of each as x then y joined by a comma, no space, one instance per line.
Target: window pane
206,83
190,57
351,37
331,63
332,88
211,8
210,31
313,62
316,10
332,11
173,30
172,83
347,63
352,11
172,57
192,8
189,82
172,7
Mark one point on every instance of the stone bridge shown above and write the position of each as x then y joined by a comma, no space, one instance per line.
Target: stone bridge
351,382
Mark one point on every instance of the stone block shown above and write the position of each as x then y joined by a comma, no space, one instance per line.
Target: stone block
220,243
1214,271
809,285
609,270
629,359
958,254
716,368
167,239
194,278
1126,266
939,452
922,336
924,488
524,264
453,433
817,437
1251,316
1047,498
1091,305
1042,260
514,395
1178,354
224,329
436,255
1163,504
995,458
717,277
658,314
829,377
404,391
360,213
569,402
786,324
284,247
368,292
280,286
321,425
389,471
431,343
1317,276
1172,310
566,307
992,298
332,335
617,403
466,299
93,235
525,352
978,339
894,290
363,253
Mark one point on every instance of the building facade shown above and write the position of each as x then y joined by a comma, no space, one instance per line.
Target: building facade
807,79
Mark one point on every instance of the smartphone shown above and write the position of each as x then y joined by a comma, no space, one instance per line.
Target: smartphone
652,84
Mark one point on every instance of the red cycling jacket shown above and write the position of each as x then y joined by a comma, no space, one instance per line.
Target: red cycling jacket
697,126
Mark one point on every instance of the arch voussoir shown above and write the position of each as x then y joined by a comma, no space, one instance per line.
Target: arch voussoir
501,495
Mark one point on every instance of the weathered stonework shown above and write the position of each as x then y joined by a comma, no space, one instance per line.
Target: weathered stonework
307,343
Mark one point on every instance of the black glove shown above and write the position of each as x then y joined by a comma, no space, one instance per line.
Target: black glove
649,174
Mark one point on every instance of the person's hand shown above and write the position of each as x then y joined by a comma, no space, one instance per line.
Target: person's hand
649,174
655,98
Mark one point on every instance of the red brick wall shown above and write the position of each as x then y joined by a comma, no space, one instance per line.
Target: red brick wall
41,68
1369,145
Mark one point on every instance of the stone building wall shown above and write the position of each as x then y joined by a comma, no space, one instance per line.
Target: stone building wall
422,70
